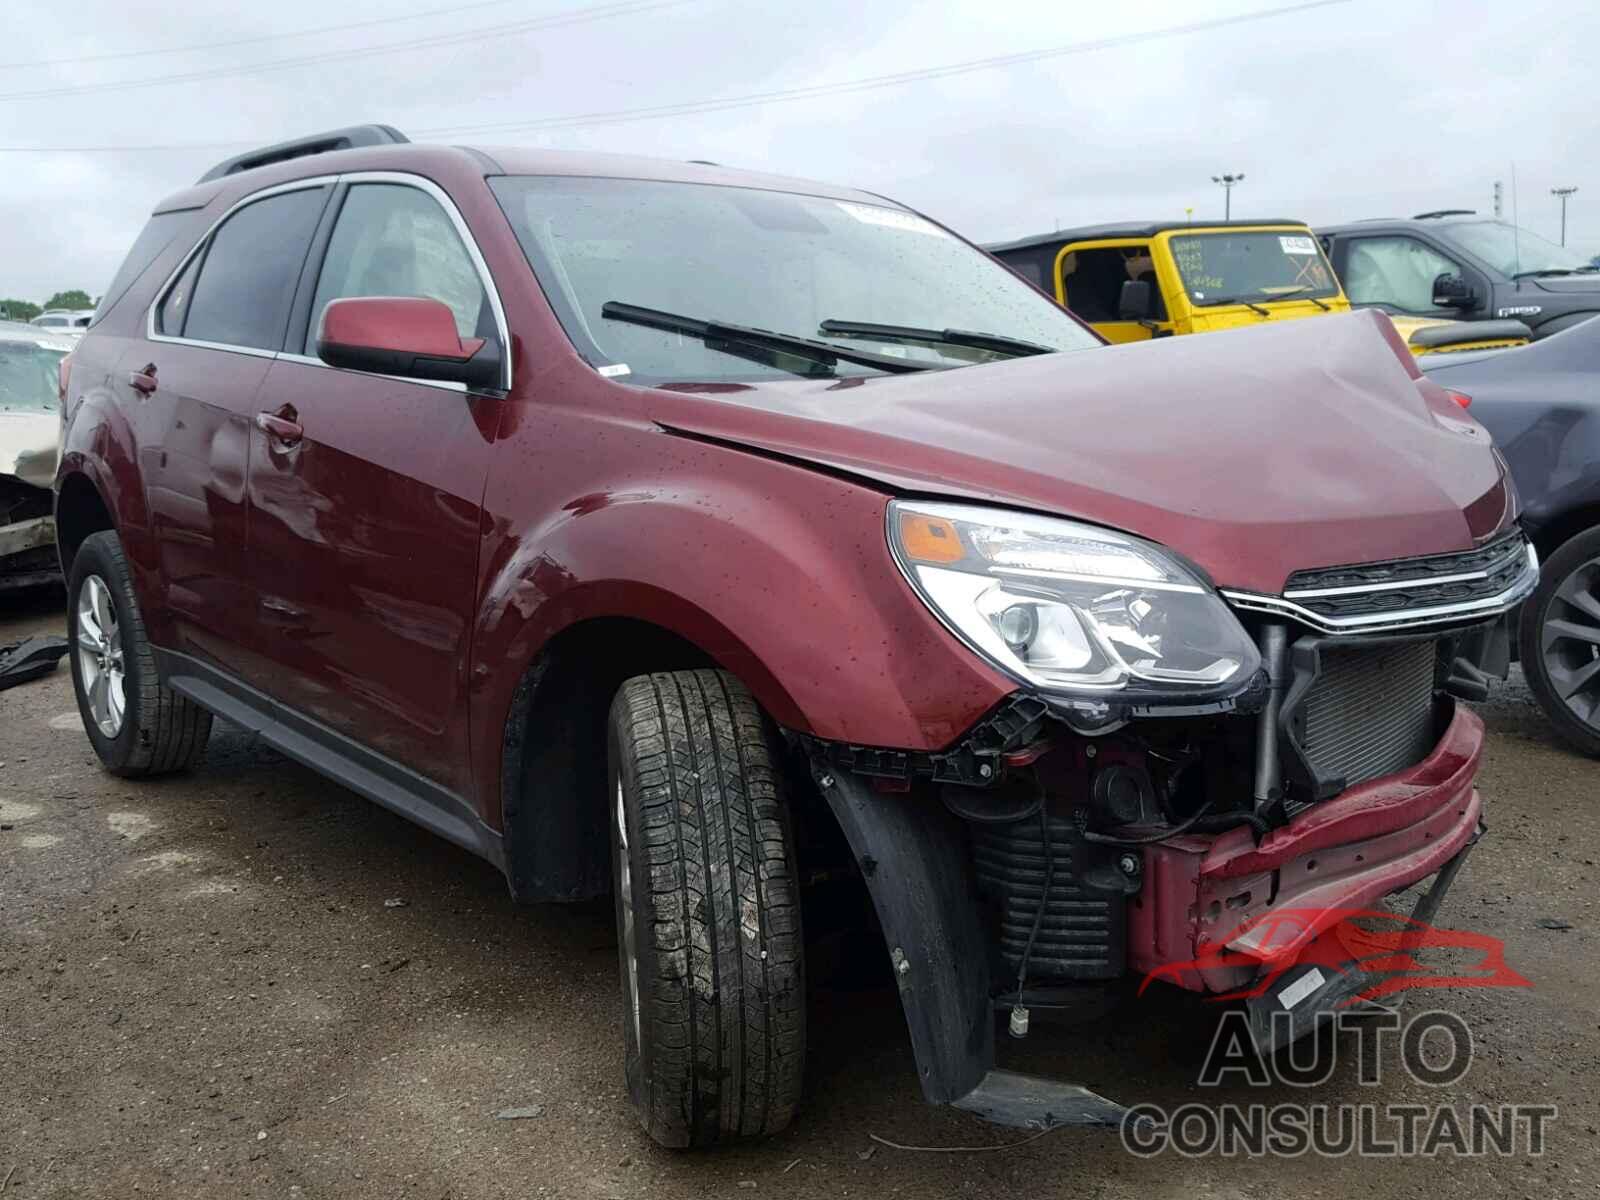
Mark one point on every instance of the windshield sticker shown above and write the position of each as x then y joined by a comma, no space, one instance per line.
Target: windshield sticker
615,371
890,218
1297,245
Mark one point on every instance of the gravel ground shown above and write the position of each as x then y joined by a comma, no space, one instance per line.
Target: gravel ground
250,982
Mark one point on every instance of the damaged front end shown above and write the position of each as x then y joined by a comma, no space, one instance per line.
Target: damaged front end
30,434
1060,846
27,534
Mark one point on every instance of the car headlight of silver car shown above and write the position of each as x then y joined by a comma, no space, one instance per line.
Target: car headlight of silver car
1071,608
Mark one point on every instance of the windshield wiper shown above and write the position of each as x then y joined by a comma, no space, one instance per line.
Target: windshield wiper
1543,272
938,337
1295,293
749,342
1238,300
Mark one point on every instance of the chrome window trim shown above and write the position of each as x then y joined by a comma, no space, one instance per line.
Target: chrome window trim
442,198
306,360
294,185
1440,614
401,178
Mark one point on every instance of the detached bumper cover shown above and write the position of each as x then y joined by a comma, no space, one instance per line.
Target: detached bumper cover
1206,894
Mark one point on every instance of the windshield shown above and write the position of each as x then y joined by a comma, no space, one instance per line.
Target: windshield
774,261
1510,250
1223,268
28,376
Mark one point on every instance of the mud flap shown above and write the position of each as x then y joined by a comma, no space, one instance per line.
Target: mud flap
912,857
1307,996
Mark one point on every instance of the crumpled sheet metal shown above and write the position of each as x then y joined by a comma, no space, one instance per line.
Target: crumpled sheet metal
29,447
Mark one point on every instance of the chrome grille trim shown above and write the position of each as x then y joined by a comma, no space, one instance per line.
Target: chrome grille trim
1387,621
1481,562
1392,586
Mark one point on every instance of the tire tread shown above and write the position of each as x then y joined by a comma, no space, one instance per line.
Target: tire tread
725,1006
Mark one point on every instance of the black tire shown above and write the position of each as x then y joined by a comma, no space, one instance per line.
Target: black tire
1549,620
160,731
717,1049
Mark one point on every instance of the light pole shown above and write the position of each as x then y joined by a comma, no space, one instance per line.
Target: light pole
1563,192
1227,182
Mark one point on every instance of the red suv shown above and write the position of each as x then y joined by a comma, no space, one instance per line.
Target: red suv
703,537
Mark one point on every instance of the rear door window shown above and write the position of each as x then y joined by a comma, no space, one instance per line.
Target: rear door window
247,278
395,240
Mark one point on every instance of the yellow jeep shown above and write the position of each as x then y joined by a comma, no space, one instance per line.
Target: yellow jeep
1138,281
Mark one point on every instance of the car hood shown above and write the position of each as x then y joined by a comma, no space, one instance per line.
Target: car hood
1254,453
28,442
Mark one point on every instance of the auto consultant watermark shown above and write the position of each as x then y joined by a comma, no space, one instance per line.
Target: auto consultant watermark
1343,961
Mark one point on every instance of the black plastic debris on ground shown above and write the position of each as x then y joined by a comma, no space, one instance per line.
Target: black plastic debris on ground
29,659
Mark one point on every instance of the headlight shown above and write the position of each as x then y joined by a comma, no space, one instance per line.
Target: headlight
1071,608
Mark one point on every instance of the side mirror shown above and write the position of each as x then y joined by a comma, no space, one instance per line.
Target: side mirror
409,336
1137,302
1452,291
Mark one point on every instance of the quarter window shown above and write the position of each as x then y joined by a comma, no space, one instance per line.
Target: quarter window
395,240
1394,272
169,318
247,280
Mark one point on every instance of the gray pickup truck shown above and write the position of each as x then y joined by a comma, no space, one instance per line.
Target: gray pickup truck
1454,263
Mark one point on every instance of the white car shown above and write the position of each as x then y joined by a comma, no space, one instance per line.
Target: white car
30,429
64,320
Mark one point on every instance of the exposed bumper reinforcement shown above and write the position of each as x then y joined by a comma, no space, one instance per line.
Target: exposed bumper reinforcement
1275,1021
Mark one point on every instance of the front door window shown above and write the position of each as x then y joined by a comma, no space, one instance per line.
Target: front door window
1395,273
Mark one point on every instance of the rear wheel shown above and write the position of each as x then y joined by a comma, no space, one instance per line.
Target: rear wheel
137,726
1561,641
708,911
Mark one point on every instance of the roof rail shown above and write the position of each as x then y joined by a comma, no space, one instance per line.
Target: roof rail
1446,212
317,143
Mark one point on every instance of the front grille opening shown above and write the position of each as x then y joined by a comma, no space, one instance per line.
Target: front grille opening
1368,712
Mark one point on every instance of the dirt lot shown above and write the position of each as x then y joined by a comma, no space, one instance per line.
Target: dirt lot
250,982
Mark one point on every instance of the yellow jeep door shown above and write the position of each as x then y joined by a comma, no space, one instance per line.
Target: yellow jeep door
1089,278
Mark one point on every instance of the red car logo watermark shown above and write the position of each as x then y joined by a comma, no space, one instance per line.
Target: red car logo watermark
1382,948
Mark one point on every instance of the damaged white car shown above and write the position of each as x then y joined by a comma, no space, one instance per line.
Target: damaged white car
30,434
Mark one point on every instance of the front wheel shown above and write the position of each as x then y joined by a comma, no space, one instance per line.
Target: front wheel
708,911
1560,641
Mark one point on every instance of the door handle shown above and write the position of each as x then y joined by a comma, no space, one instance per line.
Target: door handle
280,429
143,381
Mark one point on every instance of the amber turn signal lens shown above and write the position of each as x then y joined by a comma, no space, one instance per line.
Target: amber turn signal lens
929,539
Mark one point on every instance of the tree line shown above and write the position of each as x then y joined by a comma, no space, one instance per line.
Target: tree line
27,310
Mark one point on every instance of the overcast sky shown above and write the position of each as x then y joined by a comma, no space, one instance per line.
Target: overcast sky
1354,109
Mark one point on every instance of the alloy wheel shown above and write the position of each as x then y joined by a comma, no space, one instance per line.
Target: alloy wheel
100,659
1570,642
